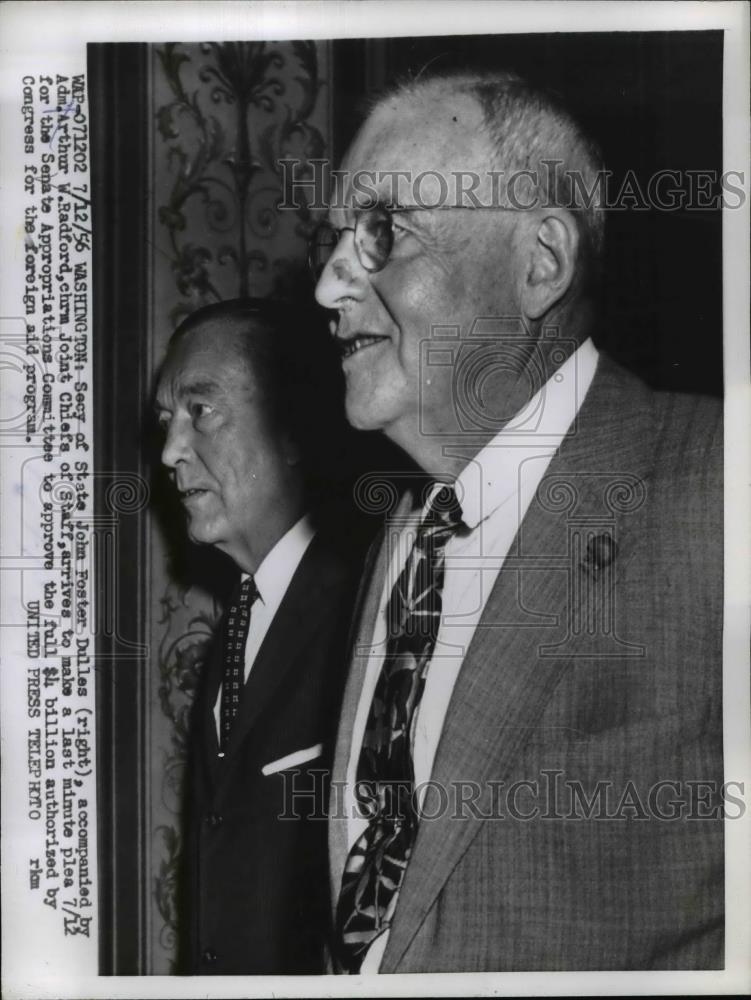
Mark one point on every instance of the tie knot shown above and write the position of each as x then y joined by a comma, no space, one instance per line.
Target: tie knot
246,593
443,510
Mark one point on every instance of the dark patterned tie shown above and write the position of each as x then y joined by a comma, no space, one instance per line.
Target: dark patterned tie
234,635
385,785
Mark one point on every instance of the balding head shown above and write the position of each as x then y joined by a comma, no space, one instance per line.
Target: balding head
544,156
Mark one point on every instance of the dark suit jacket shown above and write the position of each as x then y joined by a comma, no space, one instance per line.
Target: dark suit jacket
257,883
597,660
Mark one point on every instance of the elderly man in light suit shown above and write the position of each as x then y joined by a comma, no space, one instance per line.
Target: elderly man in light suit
528,772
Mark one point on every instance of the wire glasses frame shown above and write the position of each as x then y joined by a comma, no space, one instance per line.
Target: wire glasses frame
374,235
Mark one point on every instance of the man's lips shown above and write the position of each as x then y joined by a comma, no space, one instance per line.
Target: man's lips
191,493
352,345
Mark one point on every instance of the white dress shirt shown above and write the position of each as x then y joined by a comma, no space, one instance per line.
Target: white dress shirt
495,490
272,579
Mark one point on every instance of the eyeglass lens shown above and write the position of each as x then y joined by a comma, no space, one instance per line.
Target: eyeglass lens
374,239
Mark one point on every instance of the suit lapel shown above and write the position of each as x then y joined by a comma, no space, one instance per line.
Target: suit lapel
210,741
288,635
510,671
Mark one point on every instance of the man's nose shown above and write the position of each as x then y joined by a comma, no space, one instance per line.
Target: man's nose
176,445
343,277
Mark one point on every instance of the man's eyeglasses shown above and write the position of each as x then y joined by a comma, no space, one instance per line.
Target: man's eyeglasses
374,235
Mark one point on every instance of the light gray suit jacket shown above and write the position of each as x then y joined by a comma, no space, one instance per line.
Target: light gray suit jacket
594,676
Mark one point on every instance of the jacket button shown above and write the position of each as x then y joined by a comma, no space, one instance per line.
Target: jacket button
208,957
214,819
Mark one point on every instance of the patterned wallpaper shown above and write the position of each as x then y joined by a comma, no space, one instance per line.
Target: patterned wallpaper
223,114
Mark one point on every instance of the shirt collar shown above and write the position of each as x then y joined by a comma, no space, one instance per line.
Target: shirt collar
274,574
492,477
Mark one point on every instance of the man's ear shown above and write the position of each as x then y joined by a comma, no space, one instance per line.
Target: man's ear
551,263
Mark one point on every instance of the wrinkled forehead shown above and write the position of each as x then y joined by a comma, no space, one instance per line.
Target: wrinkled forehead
423,136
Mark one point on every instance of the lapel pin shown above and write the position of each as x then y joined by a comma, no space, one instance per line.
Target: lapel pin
601,552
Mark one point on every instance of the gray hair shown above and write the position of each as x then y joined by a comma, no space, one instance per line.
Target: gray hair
529,129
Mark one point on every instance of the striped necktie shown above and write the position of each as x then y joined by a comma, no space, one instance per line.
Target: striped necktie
234,635
385,786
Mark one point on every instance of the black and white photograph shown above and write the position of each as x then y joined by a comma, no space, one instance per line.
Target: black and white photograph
375,543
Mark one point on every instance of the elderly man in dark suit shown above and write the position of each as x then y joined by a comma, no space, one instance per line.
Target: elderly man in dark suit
528,771
266,710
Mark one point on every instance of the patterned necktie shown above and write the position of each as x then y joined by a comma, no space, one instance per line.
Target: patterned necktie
385,785
234,635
